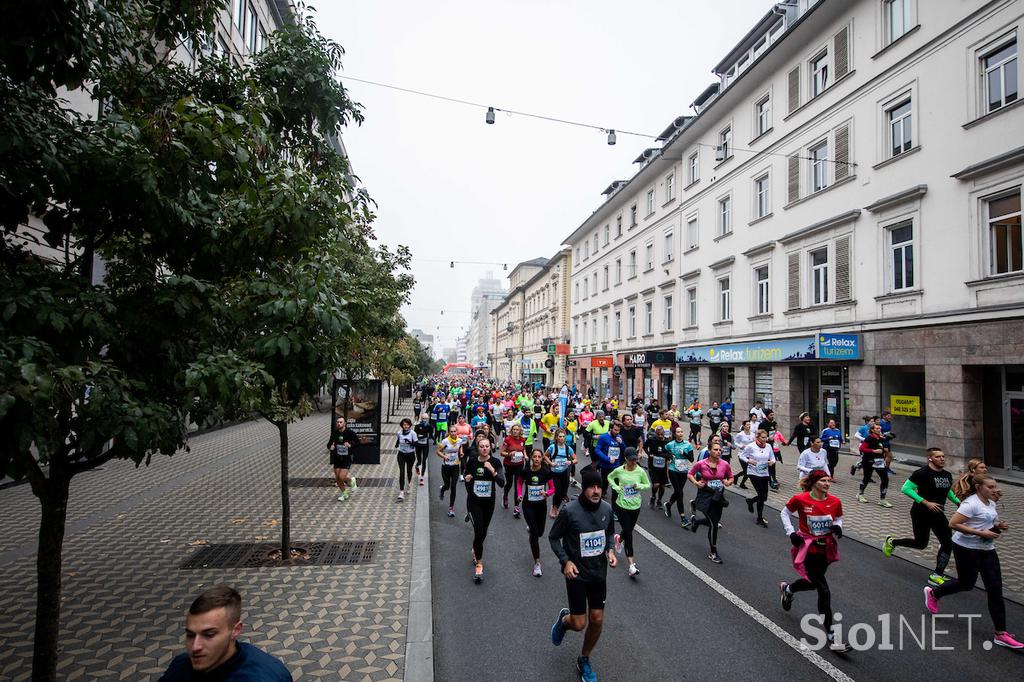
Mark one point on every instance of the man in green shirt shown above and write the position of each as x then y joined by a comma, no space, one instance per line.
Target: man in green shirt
627,482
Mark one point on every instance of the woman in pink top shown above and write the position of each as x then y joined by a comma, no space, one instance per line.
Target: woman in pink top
710,476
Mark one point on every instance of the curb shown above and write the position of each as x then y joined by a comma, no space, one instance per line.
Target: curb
419,640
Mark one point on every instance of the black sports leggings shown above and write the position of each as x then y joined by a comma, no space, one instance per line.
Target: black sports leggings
816,566
512,474
627,521
421,457
760,484
449,476
833,460
925,522
406,460
480,511
969,564
561,481
883,478
678,480
711,518
534,513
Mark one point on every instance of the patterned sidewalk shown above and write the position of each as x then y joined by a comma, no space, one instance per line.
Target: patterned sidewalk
870,523
129,530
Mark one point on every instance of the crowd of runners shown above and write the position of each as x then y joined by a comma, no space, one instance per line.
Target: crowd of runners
584,463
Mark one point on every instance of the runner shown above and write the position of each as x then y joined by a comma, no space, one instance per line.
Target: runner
513,452
680,453
342,447
815,546
873,460
887,435
462,429
560,457
760,458
535,488
710,476
440,413
422,430
628,481
548,424
406,444
715,417
814,457
451,454
581,537
633,433
594,430
482,473
726,439
694,414
929,487
608,454
740,441
977,527
657,464
962,487
479,417
802,433
775,440
832,438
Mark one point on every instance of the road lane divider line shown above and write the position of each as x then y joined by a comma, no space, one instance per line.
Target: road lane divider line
811,656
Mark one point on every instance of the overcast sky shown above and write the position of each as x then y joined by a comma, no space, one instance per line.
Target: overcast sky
453,188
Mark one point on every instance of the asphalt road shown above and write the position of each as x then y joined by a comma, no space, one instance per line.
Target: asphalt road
684,617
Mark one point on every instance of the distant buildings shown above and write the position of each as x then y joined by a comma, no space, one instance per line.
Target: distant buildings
487,294
426,340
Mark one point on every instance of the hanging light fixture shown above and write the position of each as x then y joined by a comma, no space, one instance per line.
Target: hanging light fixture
452,265
719,153
611,137
504,266
490,115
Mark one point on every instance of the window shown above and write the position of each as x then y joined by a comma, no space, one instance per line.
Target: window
576,333
607,234
999,70
604,328
576,296
595,243
691,307
691,233
760,45
670,186
618,325
263,39
648,317
1004,228
670,246
223,48
618,227
606,282
586,287
724,299
761,290
897,19
577,254
586,249
762,200
694,168
584,331
650,201
819,276
901,241
763,116
618,271
632,320
725,216
632,263
595,283
819,74
253,30
632,215
725,144
819,167
668,313
900,129
238,14
649,253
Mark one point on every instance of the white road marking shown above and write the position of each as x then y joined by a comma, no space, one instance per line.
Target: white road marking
812,657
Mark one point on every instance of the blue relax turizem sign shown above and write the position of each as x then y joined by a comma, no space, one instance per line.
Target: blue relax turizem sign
799,349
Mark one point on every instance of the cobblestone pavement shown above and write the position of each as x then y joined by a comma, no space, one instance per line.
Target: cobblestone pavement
870,523
129,530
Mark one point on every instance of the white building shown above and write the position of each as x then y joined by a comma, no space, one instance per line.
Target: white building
461,354
487,294
836,229
426,340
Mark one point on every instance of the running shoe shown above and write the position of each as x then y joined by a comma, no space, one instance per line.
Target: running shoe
536,570
1007,640
504,503
930,602
885,503
451,512
618,544
352,484
417,471
861,498
743,486
342,497
401,496
888,547
442,492
853,469
935,580
668,512
421,480
660,504
633,571
558,628
714,557
587,673
750,504
478,574
575,483
761,522
693,525
652,503
468,518
515,512
684,522
838,647
785,596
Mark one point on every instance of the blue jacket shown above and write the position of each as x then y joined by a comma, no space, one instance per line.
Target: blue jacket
610,451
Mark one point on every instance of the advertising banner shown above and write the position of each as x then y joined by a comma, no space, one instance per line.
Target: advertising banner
905,405
605,361
799,349
359,402
646,358
838,347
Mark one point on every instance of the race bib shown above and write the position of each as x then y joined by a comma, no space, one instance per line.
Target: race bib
559,465
422,440
517,457
342,450
878,463
613,454
761,469
819,525
715,484
658,462
592,543
535,493
630,491
482,488
451,458
833,442
682,465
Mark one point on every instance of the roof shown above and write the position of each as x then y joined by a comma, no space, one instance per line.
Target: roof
677,123
708,93
535,262
610,189
747,41
647,154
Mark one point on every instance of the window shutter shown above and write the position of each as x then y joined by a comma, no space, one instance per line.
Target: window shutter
843,269
793,179
794,89
842,50
794,281
842,151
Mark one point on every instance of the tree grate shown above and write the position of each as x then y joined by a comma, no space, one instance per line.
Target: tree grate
330,482
262,555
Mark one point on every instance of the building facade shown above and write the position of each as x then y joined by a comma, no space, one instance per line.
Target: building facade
426,340
487,294
836,229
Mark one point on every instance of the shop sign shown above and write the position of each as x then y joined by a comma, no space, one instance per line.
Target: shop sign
601,361
562,349
905,405
799,349
616,371
650,357
838,347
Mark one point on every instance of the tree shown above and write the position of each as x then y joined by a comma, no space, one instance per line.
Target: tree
222,211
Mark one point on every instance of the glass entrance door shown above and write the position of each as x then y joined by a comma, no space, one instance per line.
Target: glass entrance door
831,405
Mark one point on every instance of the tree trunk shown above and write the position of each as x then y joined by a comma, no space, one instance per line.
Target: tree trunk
286,510
54,503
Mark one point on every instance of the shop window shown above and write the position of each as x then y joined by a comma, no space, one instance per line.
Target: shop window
1005,238
907,385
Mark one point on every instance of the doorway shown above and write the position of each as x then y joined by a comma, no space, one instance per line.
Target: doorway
832,397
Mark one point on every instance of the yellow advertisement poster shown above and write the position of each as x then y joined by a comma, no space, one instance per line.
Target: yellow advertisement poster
905,405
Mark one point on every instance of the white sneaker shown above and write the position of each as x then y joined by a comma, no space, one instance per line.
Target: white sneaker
633,570
401,496
352,483
536,570
342,497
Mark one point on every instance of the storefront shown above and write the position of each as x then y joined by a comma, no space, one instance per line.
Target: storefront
601,370
651,374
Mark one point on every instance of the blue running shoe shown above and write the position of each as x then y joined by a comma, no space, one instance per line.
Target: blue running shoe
558,628
587,673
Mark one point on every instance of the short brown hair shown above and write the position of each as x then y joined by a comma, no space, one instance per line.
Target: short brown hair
221,596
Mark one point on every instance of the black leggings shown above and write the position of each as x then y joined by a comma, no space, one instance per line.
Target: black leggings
627,521
833,460
883,476
760,484
816,565
711,518
480,511
421,457
449,476
925,522
561,481
512,474
534,513
406,460
678,480
694,434
969,564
